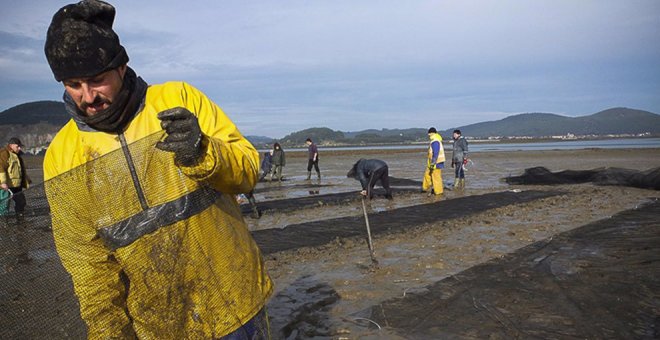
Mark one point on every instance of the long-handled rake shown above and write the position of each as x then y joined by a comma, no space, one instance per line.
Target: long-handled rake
371,245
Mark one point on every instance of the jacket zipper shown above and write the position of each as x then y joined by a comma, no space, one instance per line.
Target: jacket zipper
134,176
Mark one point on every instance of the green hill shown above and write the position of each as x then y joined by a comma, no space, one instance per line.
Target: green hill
611,121
46,111
321,135
35,123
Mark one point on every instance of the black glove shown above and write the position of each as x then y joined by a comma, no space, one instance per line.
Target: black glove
184,137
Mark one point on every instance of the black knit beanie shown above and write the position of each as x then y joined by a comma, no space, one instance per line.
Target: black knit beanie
81,43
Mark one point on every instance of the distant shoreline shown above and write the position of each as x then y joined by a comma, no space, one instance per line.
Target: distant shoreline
502,145
508,140
642,158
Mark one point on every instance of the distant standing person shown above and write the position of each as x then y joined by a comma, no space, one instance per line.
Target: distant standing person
266,164
368,172
459,158
279,161
435,163
313,159
13,177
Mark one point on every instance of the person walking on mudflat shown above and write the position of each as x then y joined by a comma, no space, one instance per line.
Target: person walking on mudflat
141,183
313,159
266,164
435,163
459,158
13,177
279,161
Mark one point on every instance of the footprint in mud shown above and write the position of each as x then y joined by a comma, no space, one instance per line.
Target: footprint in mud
301,309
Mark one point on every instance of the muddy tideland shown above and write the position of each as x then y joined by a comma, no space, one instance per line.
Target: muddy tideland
493,260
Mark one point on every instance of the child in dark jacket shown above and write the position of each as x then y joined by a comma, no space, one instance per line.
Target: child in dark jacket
266,164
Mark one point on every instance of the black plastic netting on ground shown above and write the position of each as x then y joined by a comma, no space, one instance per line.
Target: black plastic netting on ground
599,281
649,179
116,228
36,295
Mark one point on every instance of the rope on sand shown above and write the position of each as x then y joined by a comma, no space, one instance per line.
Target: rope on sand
365,319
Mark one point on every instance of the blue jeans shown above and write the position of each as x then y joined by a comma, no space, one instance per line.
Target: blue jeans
458,169
255,329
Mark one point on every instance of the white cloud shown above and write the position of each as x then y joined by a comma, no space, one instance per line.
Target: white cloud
370,64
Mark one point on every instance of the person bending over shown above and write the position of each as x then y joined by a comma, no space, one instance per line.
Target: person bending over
368,172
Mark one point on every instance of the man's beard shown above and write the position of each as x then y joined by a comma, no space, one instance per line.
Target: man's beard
120,110
98,100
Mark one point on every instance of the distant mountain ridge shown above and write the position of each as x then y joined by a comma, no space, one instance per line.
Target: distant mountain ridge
612,121
45,111
37,122
615,121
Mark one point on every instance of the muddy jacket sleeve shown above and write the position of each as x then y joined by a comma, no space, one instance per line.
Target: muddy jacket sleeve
4,164
230,163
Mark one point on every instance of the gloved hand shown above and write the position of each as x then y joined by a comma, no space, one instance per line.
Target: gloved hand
431,167
184,137
363,193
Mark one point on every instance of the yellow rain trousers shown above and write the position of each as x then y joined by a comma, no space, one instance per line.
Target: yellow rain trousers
433,179
157,251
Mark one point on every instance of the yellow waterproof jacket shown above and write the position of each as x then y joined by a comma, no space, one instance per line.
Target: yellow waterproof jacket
157,251
11,171
438,156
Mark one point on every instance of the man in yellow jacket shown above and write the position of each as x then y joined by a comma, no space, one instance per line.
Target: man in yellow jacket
435,162
13,177
141,184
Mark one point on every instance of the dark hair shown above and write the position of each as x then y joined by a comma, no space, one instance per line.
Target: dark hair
276,145
308,140
457,131
15,140
432,130
353,172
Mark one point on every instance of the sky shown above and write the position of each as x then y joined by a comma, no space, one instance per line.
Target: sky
276,67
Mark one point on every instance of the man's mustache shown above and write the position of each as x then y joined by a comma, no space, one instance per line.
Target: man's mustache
98,100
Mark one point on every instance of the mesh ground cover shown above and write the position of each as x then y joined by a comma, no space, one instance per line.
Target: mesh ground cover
322,232
649,179
597,281
36,296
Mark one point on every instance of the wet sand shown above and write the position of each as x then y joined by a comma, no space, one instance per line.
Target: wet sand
323,291
593,282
